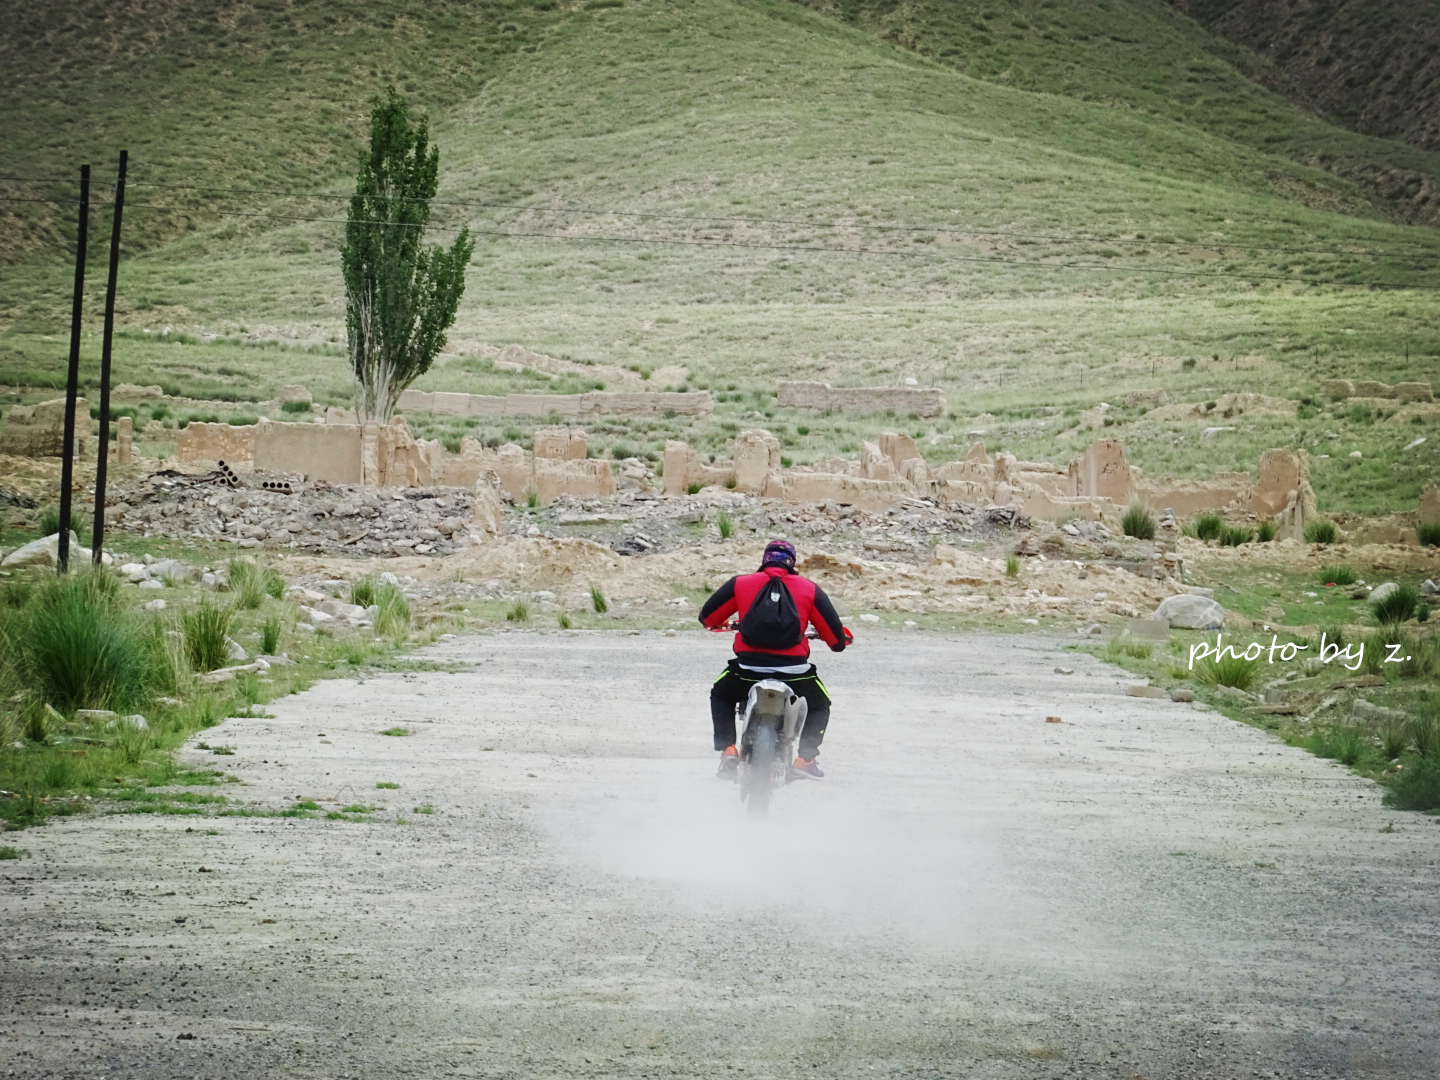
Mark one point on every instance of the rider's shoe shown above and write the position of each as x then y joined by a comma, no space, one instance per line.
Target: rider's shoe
802,768
729,764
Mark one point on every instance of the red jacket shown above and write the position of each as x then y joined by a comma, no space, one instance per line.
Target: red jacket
813,606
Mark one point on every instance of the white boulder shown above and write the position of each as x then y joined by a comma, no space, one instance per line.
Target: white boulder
1189,612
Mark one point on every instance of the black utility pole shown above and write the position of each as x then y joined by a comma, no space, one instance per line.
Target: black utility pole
72,383
97,531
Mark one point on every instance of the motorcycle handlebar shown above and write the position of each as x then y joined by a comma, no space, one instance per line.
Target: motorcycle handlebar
733,627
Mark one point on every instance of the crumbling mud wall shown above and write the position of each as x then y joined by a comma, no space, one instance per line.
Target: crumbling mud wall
593,403
903,400
200,442
1340,389
39,430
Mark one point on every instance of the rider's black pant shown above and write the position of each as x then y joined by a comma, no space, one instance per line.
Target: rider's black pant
733,688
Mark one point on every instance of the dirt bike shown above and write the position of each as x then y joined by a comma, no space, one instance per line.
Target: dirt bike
773,719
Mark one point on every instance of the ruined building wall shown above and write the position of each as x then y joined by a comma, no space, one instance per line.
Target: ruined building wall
903,400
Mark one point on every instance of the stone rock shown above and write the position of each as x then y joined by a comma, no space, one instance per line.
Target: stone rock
1376,714
175,570
95,716
151,583
1181,693
134,720
870,618
314,616
154,605
1145,691
338,609
1380,592
1190,612
1429,588
1199,590
42,552
234,650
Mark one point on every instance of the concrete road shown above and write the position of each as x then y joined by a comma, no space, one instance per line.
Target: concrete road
1144,890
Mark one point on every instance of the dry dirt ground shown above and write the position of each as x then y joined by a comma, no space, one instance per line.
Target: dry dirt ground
1144,890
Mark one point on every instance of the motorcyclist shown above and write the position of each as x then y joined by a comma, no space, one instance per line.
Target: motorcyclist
791,665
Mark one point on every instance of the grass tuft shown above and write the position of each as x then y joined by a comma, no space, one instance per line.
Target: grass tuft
1233,671
362,591
519,611
1321,532
1416,787
1428,533
1012,565
598,601
246,583
725,525
564,621
270,635
1139,521
205,628
1396,608
393,617
1338,575
1235,535
1266,531
396,732
1208,527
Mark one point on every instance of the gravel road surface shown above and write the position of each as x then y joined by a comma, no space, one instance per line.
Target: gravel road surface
1146,889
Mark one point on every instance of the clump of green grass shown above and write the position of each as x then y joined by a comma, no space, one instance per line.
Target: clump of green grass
1208,527
1416,787
519,611
725,525
205,628
396,732
1345,743
392,618
693,488
270,631
295,407
1394,739
1338,575
272,581
424,808
1012,565
598,601
1422,613
1235,535
9,852
1121,645
532,497
1139,521
17,594
1266,531
1428,533
1321,531
563,619
362,591
1398,607
75,647
49,523
1235,671
246,583
388,785
1424,732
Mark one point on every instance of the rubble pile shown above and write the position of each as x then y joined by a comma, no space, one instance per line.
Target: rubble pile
313,517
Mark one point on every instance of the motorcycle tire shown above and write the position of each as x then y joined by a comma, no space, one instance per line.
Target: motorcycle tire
758,773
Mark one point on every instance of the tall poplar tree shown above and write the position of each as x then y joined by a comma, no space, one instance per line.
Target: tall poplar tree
400,297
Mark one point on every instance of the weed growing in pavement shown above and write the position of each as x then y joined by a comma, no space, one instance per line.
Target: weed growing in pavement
397,732
519,611
388,785
598,601
1139,521
205,627
1338,575
1398,607
1321,531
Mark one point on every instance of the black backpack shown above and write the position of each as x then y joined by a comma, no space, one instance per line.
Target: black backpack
773,621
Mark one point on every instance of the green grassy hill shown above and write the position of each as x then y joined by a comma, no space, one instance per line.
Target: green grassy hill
747,188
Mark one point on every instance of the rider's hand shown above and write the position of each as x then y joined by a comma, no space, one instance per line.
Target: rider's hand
845,640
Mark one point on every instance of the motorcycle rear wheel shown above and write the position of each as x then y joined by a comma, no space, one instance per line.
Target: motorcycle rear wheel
758,772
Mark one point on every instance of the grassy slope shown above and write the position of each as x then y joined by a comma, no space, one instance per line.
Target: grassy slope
763,109
1144,55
